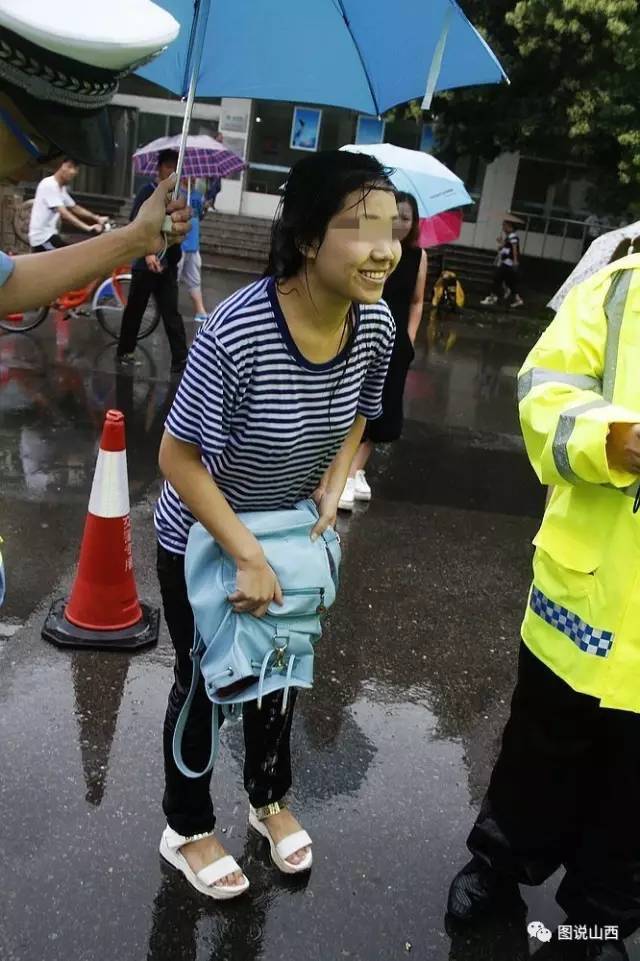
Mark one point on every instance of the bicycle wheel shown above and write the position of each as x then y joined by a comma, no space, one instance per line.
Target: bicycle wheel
24,320
109,302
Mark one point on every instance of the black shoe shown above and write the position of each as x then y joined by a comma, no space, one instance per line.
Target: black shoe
478,891
606,951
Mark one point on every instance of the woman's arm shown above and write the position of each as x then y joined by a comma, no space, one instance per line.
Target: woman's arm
417,301
328,492
38,279
182,466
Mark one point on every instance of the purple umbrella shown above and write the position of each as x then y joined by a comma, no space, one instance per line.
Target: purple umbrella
204,157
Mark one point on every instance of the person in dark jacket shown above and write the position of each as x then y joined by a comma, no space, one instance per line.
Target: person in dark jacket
158,277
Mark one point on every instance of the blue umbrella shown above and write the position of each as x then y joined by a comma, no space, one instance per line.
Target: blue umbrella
364,55
326,51
435,187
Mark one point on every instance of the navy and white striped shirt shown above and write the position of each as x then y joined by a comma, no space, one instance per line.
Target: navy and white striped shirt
267,421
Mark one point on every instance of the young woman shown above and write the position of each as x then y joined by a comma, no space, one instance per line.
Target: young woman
404,293
272,406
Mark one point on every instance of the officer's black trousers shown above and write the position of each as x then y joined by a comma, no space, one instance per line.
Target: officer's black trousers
566,791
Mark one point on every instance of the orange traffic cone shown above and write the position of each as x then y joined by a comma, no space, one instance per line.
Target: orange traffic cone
103,610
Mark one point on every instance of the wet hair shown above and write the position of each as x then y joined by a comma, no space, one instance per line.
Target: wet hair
167,156
314,193
411,240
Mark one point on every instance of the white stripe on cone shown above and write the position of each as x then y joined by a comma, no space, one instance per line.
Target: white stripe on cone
110,490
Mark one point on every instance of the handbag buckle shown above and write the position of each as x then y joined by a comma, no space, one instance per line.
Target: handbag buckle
280,649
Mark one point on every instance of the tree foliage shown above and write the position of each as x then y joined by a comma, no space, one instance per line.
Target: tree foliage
574,92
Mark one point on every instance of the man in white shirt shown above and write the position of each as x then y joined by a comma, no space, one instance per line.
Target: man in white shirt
52,203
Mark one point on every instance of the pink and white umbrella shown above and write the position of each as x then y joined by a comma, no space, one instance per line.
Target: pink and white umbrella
204,157
441,229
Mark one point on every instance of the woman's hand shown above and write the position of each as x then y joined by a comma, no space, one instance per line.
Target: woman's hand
326,498
256,587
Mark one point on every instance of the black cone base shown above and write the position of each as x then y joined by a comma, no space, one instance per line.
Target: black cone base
58,630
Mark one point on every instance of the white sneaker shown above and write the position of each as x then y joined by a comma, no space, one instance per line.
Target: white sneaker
347,498
361,491
517,301
489,301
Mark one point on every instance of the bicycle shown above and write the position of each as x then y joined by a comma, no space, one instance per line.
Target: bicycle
104,297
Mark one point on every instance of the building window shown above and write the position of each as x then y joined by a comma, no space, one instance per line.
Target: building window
270,156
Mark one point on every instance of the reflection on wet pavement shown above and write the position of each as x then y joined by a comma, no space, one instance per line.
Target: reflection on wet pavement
392,748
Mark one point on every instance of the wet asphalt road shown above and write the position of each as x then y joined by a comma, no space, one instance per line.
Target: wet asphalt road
392,748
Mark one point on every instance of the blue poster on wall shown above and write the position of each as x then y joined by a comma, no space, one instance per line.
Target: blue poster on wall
305,129
370,130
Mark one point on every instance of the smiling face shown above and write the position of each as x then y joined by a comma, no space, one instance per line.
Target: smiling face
360,248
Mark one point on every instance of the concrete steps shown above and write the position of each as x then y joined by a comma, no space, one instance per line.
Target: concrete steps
238,237
473,267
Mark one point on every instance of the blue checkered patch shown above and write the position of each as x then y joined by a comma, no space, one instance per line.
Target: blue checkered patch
589,639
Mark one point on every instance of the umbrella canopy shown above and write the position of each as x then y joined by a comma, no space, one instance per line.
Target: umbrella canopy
435,187
204,157
441,229
326,52
597,256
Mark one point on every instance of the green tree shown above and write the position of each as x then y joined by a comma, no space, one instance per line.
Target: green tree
574,92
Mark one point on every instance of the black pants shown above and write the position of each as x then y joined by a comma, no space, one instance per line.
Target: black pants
507,276
267,768
566,791
388,427
164,288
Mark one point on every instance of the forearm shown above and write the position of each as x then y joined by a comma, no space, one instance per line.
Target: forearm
39,278
415,319
71,218
338,471
181,465
85,214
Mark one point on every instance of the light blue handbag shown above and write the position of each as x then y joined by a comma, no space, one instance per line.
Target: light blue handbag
242,657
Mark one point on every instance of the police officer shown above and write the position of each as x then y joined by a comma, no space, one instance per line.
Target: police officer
565,790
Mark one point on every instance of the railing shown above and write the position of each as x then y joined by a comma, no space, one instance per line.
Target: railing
552,227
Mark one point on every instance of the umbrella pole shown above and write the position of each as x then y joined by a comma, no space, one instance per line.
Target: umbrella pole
186,123
196,42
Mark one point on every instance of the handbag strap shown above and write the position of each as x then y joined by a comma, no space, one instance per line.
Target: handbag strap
183,717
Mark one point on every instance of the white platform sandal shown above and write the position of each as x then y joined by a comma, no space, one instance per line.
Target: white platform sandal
285,848
205,880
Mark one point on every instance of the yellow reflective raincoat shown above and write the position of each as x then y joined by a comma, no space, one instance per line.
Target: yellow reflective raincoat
583,615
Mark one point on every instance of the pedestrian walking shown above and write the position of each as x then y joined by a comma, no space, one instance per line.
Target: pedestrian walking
565,790
271,409
404,293
506,278
190,265
157,277
53,203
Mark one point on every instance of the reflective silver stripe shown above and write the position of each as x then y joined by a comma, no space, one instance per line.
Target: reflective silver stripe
564,430
614,307
543,375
